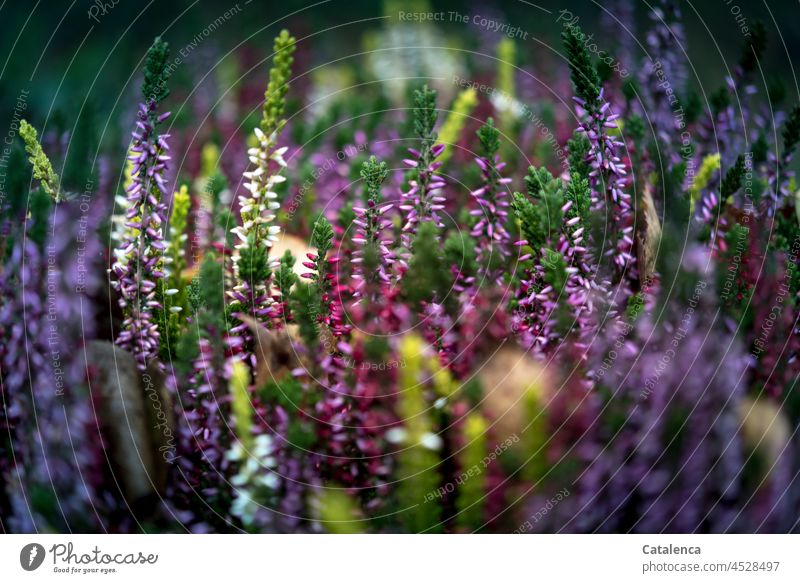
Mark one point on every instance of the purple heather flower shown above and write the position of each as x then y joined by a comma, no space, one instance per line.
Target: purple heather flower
608,179
665,75
490,230
200,490
371,223
423,200
46,315
138,265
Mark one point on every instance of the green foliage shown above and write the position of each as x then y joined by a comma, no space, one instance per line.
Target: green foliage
634,307
506,81
77,173
374,173
580,194
732,180
194,295
275,96
585,79
339,512
471,493
630,89
286,277
417,464
540,183
791,131
322,236
539,213
555,270
536,437
776,91
304,305
287,393
291,394
301,434
753,51
735,290
18,179
427,277
178,235
719,100
578,147
207,301
346,215
212,290
172,318
371,263
634,128
489,138
460,250
42,168
425,115
254,263
241,405
787,231
760,149
215,185
693,107
530,221
40,208
156,75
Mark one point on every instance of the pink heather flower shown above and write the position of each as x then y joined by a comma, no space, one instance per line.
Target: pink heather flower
490,230
423,200
370,225
608,179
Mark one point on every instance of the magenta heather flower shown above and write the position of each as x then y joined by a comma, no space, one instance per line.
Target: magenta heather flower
325,273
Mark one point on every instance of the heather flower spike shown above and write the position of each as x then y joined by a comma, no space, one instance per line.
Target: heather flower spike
138,266
42,168
490,228
371,226
257,233
620,354
456,119
424,199
324,273
608,177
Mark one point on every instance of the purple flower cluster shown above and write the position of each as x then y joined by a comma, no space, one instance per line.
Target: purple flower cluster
490,230
56,468
423,200
371,226
138,265
201,495
608,179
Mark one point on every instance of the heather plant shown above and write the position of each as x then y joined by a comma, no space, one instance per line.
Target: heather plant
139,265
347,334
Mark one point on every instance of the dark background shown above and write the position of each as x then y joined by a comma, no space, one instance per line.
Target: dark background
54,50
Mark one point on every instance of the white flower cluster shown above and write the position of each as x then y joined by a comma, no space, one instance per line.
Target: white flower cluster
258,209
256,473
